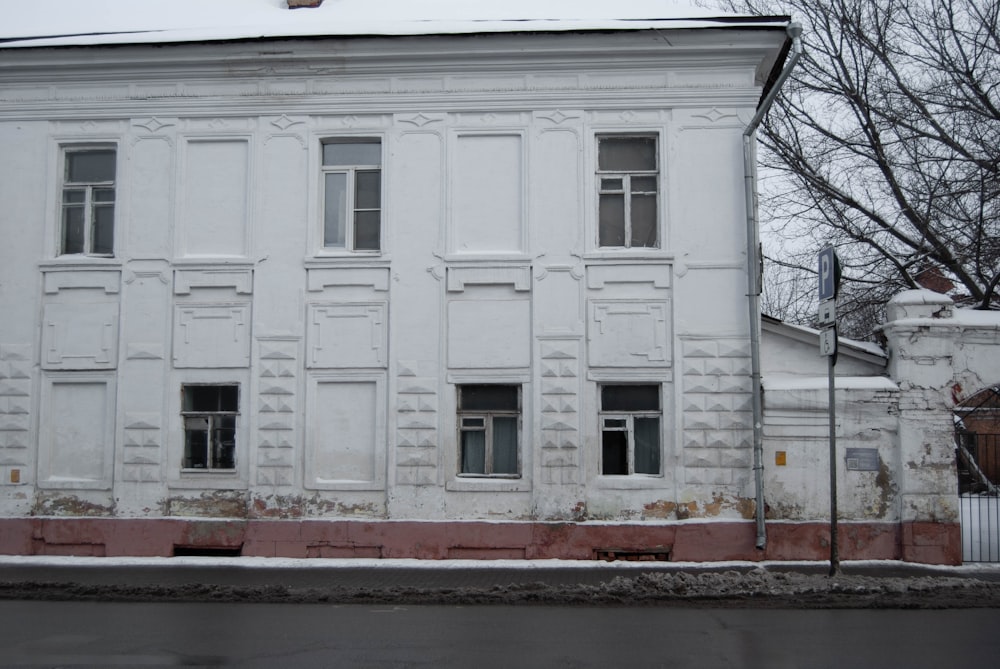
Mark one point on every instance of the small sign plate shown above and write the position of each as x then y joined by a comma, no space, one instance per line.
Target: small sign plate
862,459
828,341
827,314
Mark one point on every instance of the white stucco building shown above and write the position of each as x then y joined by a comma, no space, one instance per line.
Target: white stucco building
337,281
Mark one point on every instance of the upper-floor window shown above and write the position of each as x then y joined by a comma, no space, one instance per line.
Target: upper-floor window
489,428
87,216
209,413
352,194
627,175
630,429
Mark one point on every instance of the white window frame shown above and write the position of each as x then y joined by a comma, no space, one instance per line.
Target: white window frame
629,416
487,416
212,417
626,191
351,211
89,202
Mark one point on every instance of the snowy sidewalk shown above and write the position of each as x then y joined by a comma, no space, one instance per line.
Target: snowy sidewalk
863,584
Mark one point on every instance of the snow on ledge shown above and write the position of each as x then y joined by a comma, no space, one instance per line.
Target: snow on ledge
778,382
38,23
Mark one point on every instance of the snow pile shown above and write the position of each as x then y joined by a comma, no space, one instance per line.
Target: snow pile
720,589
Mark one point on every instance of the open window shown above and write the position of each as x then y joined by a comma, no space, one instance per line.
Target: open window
210,413
630,430
489,427
87,201
352,194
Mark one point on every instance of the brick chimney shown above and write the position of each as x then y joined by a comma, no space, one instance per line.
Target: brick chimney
297,4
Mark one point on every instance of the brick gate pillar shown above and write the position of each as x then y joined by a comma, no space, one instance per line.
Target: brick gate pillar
921,335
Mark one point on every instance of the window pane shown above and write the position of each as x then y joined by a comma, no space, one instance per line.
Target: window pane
504,445
224,443
474,452
612,184
365,152
196,442
74,195
614,453
643,184
647,445
643,220
626,154
90,166
612,220
335,211
104,195
488,398
229,400
615,423
211,398
367,226
367,190
630,398
103,229
72,229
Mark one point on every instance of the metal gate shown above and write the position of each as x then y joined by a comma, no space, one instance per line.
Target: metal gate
979,495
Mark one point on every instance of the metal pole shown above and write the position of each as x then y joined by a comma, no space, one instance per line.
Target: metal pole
834,549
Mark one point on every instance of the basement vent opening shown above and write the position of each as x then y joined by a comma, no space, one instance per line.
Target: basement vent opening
654,554
208,551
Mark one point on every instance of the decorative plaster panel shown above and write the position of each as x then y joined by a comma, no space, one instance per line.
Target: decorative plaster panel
239,279
212,335
77,432
348,335
345,446
277,391
320,278
517,276
629,333
107,280
489,334
80,335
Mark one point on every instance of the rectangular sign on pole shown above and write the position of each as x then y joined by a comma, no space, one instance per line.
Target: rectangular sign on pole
828,341
829,274
827,313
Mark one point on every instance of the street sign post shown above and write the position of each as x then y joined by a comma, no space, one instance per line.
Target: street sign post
829,284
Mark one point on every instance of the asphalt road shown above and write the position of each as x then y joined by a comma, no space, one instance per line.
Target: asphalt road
95,634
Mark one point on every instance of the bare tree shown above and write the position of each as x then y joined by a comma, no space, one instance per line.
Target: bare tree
886,144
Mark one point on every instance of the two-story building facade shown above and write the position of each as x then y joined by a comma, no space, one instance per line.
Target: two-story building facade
347,285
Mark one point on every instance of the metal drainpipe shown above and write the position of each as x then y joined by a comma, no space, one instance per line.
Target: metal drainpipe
794,31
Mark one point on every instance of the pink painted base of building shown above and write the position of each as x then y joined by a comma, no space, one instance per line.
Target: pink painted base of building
931,543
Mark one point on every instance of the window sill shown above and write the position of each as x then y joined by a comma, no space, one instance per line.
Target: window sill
197,262
345,485
630,482
619,254
199,479
487,484
80,261
368,258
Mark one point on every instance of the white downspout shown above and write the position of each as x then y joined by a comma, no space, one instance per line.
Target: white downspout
794,31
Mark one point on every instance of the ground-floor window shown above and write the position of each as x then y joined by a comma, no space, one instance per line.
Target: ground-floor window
489,430
630,429
210,413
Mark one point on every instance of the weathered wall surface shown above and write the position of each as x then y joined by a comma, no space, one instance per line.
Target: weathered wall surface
348,362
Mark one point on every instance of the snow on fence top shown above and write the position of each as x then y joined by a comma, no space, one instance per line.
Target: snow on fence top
37,23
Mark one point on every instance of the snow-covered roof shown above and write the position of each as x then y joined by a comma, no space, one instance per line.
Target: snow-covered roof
37,23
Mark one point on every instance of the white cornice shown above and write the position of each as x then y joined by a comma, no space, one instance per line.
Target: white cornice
369,56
